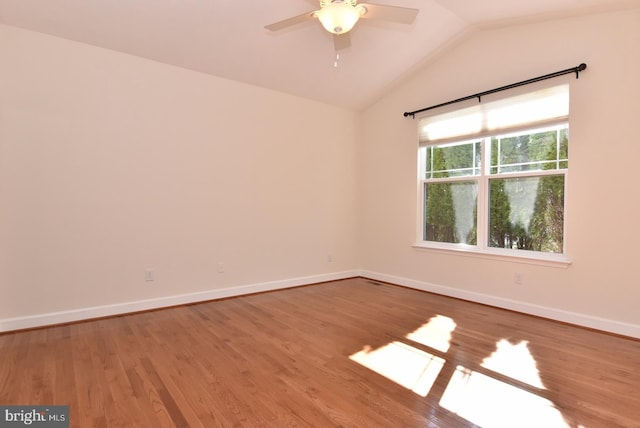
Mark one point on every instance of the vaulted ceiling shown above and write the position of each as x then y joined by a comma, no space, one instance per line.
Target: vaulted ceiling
227,38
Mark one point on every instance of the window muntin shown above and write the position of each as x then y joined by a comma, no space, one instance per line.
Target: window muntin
513,183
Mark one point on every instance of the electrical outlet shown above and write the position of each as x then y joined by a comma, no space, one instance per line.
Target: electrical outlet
220,267
329,257
517,278
149,275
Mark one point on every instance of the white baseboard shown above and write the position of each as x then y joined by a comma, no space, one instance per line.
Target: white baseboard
603,324
52,318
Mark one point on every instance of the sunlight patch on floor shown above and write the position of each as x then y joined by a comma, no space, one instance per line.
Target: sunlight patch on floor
436,333
514,361
476,396
407,366
490,403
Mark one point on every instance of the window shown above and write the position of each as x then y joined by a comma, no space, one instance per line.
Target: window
493,177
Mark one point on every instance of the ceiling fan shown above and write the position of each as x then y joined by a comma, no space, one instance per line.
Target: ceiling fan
340,16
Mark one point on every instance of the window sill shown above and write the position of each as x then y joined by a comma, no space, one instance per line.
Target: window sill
513,256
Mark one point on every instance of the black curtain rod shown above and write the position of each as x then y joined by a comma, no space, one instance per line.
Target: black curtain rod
479,95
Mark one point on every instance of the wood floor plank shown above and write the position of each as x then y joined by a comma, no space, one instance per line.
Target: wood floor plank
342,353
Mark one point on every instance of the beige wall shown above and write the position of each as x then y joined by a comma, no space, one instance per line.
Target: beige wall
111,164
603,201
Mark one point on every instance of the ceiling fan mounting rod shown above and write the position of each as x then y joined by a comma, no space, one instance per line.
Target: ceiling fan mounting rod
324,3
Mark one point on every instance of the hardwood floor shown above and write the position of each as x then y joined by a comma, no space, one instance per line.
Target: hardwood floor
348,353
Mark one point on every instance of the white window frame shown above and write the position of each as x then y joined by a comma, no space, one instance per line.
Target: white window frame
482,249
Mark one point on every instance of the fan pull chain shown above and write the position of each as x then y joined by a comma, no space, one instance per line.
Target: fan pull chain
335,63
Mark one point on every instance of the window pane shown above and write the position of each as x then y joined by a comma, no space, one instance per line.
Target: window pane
453,160
527,213
451,212
530,151
564,148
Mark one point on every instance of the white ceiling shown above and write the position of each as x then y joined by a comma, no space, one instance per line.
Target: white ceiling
226,38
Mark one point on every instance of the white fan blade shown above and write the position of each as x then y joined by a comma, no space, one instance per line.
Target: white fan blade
341,41
402,15
291,21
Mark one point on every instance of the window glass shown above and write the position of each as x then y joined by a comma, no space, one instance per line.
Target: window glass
453,160
527,213
530,151
450,212
522,185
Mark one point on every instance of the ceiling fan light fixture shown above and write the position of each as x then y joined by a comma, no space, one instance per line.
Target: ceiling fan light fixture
338,17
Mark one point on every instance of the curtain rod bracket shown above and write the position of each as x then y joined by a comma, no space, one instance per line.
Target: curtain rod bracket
479,96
